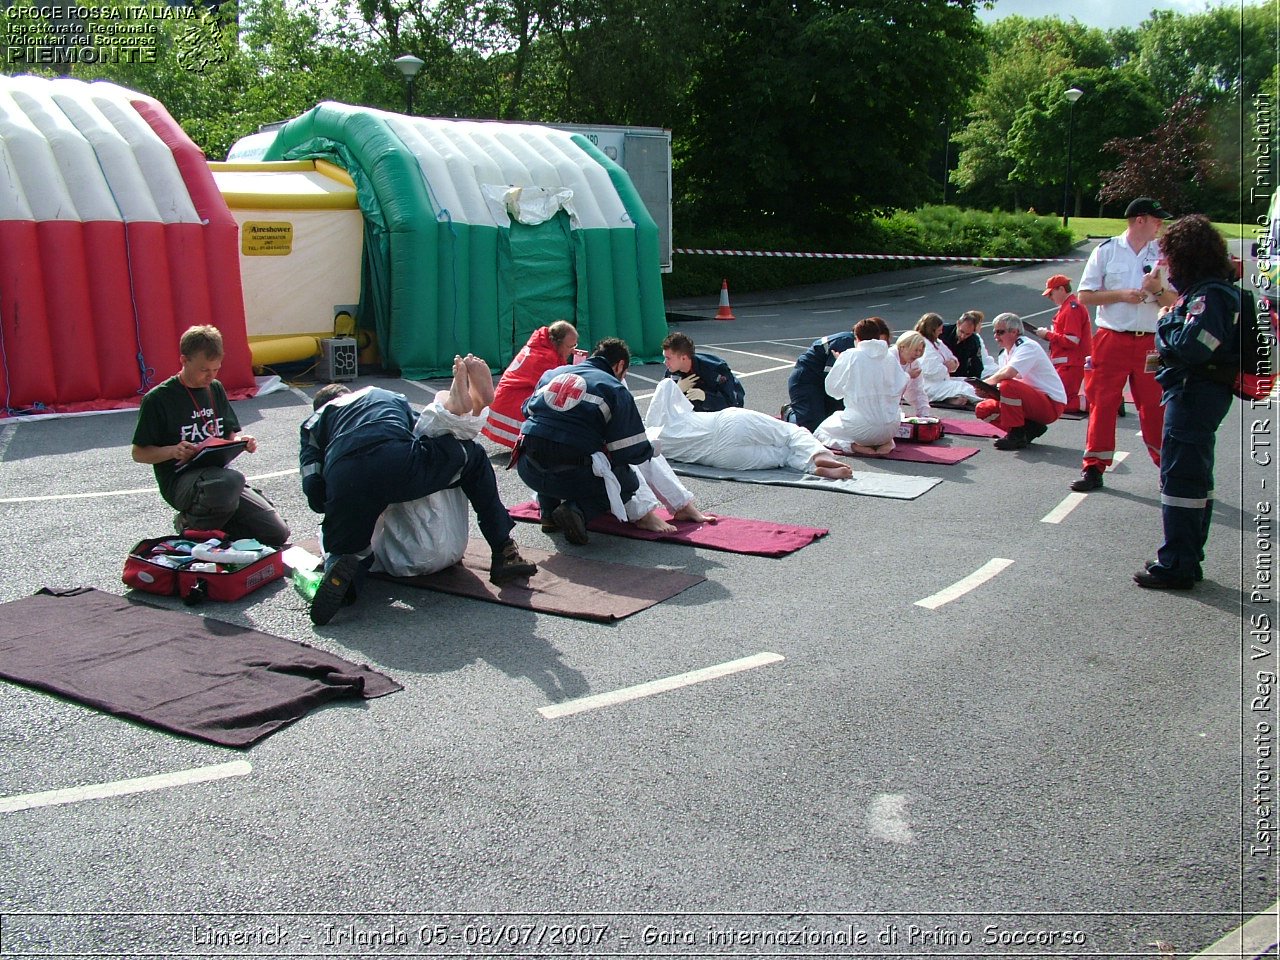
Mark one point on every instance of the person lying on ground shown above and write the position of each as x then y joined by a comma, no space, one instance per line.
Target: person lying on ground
735,439
423,536
359,454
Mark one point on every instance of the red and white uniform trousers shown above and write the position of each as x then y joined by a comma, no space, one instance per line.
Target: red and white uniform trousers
1119,358
1018,403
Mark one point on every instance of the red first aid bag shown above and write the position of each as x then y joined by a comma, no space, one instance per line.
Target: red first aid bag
159,566
920,430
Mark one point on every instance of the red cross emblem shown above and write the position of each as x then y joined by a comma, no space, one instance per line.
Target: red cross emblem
564,391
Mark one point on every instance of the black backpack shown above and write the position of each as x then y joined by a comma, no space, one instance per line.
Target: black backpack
1248,362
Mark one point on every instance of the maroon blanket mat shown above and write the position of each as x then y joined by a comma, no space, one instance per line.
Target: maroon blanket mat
564,585
760,538
203,678
971,428
927,453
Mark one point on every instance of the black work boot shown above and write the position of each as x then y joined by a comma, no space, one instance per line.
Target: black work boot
509,565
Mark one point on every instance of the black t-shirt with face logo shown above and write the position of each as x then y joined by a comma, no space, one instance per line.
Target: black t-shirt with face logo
172,412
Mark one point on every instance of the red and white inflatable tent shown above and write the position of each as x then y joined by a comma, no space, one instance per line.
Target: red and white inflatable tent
113,240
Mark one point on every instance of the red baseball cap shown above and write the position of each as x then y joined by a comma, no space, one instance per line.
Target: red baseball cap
1057,280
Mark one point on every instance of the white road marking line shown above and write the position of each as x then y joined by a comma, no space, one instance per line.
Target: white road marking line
632,373
748,353
626,694
961,587
753,316
125,493
836,310
1255,938
1059,513
949,290
120,788
80,496
872,306
756,373
887,818
979,280
914,299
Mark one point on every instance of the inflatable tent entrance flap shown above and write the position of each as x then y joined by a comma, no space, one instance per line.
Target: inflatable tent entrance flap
113,240
450,266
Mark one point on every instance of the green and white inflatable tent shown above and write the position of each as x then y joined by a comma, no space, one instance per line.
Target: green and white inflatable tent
476,233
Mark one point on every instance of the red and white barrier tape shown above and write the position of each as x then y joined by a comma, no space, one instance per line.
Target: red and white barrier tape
873,256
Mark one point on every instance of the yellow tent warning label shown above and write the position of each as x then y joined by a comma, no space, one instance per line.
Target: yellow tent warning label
266,238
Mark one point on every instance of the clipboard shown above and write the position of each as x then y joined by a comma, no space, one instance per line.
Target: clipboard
983,388
1031,329
216,452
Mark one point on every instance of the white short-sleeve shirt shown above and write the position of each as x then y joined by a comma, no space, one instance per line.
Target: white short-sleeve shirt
1114,266
1034,368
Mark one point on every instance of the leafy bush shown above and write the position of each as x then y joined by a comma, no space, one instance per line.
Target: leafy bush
935,231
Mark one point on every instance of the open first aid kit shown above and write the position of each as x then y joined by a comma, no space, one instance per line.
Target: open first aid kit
202,565
919,429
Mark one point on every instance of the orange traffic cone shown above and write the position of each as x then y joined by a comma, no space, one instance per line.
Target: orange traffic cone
724,312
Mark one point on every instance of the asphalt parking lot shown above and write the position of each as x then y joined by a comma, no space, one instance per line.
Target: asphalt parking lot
1052,762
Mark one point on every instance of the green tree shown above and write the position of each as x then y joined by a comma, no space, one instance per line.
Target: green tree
1021,55
802,113
1116,104
1200,54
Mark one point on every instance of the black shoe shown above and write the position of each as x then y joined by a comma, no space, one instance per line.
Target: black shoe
569,519
1151,563
1090,479
1145,578
509,565
1015,439
786,415
332,593
1035,430
1122,412
548,525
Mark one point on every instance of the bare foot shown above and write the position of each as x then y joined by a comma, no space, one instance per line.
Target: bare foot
654,523
481,383
459,401
831,468
692,513
862,450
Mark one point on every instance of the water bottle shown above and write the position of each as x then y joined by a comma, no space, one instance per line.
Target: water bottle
306,582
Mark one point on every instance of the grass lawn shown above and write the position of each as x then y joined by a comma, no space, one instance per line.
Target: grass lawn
1084,227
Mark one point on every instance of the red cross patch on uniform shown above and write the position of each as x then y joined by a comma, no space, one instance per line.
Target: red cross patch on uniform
565,391
1196,308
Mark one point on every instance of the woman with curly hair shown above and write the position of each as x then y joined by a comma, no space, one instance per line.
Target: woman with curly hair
1198,342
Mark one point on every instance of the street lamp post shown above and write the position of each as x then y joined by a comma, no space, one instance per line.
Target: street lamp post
409,66
946,156
1072,95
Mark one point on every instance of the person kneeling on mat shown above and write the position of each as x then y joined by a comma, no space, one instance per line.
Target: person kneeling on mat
581,437
1031,392
359,454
